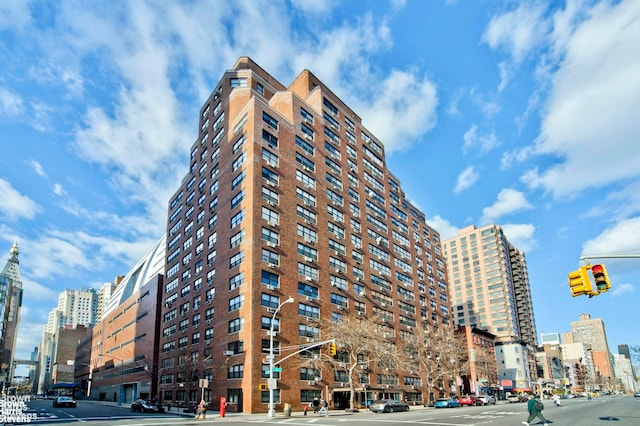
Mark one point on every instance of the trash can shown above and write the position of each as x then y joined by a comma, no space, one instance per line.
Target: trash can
287,410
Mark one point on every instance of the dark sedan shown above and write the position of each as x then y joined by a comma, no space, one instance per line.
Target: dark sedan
146,406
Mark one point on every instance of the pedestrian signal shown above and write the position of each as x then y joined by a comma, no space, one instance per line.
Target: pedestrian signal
263,387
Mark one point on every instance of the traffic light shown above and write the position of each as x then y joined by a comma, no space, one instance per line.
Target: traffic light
263,387
333,349
579,282
600,278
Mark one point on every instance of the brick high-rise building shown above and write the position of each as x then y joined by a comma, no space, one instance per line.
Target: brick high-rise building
591,331
287,196
489,289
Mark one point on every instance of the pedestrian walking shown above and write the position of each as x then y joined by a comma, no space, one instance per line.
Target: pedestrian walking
201,412
324,408
316,405
535,408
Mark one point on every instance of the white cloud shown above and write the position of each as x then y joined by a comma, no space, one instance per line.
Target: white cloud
466,179
443,226
37,167
521,236
11,104
318,7
404,110
519,31
14,205
622,289
483,143
620,238
509,201
591,118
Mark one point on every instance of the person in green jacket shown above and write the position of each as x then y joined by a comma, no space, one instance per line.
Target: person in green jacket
535,410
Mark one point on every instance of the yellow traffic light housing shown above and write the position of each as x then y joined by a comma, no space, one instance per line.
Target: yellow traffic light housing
333,349
579,282
600,278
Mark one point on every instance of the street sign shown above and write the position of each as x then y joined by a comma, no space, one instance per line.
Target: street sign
277,369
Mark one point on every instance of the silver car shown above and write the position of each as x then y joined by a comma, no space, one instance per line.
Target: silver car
388,406
487,400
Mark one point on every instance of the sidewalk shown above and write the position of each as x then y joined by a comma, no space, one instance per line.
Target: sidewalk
229,416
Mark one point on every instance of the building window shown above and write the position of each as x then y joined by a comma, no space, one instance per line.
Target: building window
235,372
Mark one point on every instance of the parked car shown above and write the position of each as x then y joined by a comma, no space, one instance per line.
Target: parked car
636,395
465,400
469,400
64,401
447,403
487,400
388,406
146,406
515,398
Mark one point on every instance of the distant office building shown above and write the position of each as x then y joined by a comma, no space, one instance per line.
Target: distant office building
626,374
489,289
550,339
288,195
75,308
580,371
624,351
10,306
104,296
118,359
592,331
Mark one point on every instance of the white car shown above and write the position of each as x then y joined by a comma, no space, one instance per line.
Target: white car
487,399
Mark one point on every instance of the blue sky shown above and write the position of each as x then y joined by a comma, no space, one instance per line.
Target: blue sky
524,114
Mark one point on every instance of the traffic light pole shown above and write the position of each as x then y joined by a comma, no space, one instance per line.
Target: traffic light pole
587,257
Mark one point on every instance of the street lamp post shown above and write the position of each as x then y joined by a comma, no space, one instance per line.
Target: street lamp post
120,391
272,411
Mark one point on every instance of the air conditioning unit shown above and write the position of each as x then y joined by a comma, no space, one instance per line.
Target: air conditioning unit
227,353
207,342
360,313
310,339
208,321
308,202
333,284
312,383
272,223
271,202
413,387
271,310
308,278
308,137
306,168
271,265
270,288
308,120
310,299
308,259
271,244
341,308
384,305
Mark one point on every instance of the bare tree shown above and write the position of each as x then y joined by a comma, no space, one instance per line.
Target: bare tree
437,356
360,344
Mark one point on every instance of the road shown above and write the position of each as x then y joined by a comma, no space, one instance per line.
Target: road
618,410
